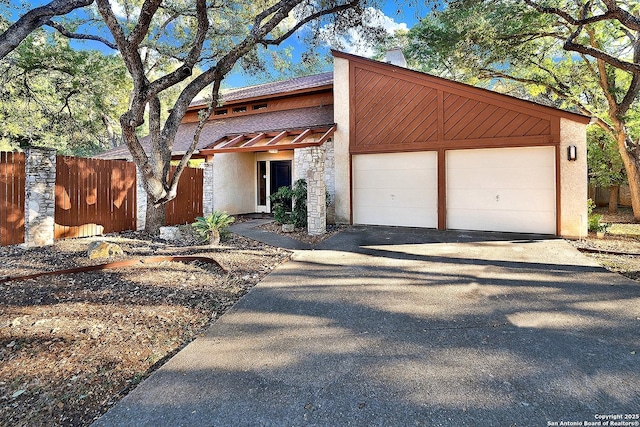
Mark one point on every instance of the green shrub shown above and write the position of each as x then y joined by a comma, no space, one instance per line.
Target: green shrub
213,226
594,219
281,205
289,205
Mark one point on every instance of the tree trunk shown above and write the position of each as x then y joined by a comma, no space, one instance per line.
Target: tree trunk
633,175
156,217
214,237
614,192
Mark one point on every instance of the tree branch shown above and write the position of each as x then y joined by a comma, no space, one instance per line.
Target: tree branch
62,30
308,19
33,19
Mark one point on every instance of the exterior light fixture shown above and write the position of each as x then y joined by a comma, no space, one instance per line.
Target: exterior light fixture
276,151
572,153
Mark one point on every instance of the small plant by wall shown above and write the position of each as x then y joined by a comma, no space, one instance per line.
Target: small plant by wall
289,204
213,226
595,219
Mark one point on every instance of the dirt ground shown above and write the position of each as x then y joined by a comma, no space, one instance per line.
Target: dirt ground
72,345
620,254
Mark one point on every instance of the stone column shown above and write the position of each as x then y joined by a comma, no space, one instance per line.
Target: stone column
330,179
316,192
207,190
141,201
40,196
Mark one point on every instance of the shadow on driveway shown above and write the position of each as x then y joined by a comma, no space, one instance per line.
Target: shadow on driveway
386,326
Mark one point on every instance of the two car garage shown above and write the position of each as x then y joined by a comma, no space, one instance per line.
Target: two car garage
429,152
505,189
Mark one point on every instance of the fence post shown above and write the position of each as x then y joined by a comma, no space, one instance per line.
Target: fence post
141,201
40,196
207,188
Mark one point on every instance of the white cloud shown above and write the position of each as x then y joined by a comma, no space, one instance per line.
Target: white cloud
118,10
355,40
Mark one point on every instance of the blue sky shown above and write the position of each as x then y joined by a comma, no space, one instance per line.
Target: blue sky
393,15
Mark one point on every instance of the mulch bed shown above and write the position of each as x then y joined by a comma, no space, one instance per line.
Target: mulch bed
615,253
301,233
71,345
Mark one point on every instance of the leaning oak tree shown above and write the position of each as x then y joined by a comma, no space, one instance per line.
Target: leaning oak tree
617,67
582,54
210,37
184,46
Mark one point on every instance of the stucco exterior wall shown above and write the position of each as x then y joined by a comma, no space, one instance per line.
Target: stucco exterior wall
234,178
342,167
573,180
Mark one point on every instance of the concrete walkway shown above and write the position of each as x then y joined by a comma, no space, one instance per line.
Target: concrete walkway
394,327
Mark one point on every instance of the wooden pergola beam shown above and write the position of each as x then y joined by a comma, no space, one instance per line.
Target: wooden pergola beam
234,141
327,135
300,137
278,137
254,140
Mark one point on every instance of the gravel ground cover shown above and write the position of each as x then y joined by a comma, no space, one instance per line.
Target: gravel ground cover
620,252
72,345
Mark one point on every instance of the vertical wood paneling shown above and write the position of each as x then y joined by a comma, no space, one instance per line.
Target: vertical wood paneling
188,202
12,185
94,196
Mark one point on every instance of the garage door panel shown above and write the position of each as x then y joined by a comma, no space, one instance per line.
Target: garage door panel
404,217
505,189
408,179
503,157
537,177
514,200
500,220
393,161
395,189
372,197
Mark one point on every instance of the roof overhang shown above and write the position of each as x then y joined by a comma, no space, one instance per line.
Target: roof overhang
287,139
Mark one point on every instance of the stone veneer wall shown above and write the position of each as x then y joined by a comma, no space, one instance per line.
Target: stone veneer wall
207,190
309,163
141,201
40,199
330,180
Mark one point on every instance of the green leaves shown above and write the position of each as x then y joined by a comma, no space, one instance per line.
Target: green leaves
213,224
53,95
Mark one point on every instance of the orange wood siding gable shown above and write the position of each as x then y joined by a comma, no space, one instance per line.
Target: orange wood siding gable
396,109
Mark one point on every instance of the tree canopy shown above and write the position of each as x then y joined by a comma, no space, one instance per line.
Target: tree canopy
581,55
54,96
186,46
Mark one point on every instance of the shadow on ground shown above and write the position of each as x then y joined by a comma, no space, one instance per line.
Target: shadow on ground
383,326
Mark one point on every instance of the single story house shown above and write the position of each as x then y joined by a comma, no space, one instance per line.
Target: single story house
395,147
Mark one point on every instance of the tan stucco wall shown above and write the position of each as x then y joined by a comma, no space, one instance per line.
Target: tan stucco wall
573,180
234,186
342,196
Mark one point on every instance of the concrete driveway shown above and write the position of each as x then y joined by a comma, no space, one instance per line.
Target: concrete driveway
390,326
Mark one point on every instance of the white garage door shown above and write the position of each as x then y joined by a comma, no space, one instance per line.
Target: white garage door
396,189
505,189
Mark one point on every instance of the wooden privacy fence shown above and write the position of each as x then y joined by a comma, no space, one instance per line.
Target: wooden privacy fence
188,202
94,196
12,195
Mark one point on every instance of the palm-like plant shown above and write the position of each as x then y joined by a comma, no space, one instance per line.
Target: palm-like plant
212,225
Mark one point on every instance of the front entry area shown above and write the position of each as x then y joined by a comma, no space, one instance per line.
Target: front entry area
271,175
